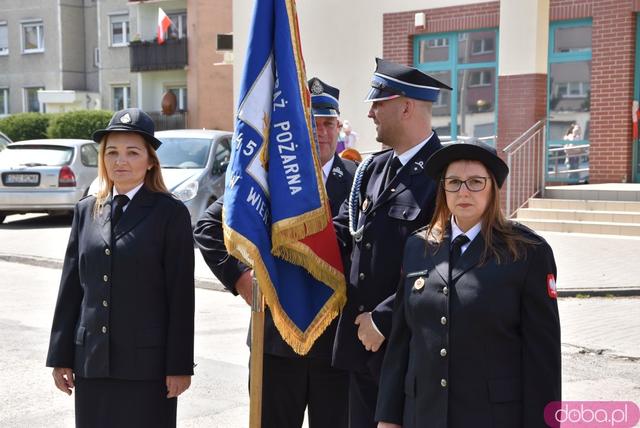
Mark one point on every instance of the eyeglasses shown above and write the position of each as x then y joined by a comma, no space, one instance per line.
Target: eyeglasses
473,184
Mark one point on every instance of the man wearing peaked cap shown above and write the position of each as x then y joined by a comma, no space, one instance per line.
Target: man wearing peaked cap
392,197
392,80
292,382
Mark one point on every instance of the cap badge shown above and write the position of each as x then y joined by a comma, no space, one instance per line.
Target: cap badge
418,284
316,87
126,118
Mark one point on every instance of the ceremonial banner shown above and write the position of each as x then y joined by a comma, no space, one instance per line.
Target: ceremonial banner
276,214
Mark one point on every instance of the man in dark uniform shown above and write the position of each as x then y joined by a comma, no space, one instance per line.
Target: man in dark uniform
392,197
291,382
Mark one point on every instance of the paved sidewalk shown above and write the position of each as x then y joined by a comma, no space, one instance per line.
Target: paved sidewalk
597,265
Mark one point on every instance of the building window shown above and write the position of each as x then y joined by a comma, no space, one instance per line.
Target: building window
569,100
32,37
438,43
121,97
31,103
480,78
4,101
466,61
482,46
181,95
178,28
4,39
119,30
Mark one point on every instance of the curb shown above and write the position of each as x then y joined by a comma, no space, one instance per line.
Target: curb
47,262
599,292
211,284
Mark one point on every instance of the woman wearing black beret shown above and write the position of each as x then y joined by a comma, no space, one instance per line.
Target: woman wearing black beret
475,339
122,332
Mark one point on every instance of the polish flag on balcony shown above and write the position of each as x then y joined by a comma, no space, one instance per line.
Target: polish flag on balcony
163,25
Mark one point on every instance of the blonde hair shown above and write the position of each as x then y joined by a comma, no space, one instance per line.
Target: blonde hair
501,239
153,180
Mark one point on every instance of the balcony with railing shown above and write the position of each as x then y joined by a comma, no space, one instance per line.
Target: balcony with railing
150,56
177,120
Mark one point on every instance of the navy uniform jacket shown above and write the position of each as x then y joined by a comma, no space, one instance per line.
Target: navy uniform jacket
125,307
388,219
481,351
209,237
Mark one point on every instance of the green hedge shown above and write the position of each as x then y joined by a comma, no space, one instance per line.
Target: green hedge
73,124
78,124
25,126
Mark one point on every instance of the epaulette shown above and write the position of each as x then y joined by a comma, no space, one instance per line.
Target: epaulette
527,231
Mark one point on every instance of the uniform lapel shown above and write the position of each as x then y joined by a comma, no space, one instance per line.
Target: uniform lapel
440,256
105,221
411,172
470,258
137,210
336,189
336,175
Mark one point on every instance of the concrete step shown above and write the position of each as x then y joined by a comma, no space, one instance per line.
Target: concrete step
579,215
584,205
597,227
601,192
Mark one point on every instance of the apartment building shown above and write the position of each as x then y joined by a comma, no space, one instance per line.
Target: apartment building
90,54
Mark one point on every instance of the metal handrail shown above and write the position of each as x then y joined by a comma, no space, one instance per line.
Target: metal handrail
528,151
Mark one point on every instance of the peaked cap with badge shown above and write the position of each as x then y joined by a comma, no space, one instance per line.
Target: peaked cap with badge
391,80
324,98
130,120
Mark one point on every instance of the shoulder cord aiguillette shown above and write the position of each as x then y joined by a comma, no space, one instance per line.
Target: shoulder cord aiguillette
355,202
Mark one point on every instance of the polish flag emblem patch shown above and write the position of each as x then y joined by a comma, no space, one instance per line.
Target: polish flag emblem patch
552,291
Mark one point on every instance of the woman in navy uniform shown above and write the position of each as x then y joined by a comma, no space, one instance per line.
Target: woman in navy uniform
475,338
122,332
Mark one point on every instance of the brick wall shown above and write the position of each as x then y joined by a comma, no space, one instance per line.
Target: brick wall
612,75
398,29
613,61
522,102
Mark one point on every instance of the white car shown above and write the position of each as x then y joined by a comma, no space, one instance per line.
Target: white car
4,141
45,175
193,163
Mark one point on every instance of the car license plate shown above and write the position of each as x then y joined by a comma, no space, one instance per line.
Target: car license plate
21,179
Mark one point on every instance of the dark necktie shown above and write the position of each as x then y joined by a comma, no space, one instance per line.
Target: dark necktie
456,250
119,201
392,170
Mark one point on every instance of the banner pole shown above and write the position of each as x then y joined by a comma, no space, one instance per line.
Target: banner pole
257,353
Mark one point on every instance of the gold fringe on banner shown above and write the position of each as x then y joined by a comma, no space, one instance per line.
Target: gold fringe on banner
301,342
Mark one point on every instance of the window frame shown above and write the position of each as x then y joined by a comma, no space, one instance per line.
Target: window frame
453,67
4,107
560,58
181,25
25,99
119,18
126,96
182,95
39,25
5,51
